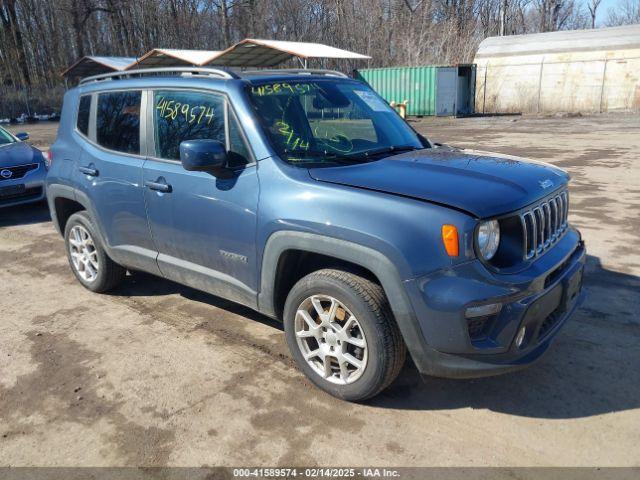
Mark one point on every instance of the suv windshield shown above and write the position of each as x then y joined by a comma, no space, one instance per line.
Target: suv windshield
5,137
329,121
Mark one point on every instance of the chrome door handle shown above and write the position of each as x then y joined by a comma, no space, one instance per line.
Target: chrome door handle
158,186
92,172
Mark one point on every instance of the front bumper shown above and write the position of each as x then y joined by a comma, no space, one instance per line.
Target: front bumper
541,299
28,189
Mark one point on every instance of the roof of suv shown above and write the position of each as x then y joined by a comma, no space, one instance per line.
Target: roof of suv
217,73
290,74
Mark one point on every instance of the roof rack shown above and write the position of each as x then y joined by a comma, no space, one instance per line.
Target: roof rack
295,71
183,71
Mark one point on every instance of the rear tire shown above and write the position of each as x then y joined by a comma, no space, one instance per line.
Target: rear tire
88,260
342,334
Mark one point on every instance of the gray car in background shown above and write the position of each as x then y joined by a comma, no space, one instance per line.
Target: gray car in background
23,169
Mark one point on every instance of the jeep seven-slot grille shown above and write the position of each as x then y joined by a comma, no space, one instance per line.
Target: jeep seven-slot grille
544,223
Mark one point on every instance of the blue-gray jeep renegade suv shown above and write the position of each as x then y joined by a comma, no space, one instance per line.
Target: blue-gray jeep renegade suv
304,196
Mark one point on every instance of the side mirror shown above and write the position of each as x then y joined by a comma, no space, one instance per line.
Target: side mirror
23,136
203,155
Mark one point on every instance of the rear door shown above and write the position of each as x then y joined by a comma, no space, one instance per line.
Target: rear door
109,175
203,226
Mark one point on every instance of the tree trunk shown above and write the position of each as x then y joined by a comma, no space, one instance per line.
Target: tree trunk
10,21
224,8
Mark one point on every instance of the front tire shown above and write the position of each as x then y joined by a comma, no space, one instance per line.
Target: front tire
88,260
342,334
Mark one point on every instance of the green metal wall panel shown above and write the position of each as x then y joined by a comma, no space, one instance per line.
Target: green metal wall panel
415,84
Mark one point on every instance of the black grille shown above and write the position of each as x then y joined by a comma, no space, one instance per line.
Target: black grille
17,171
548,323
23,195
477,327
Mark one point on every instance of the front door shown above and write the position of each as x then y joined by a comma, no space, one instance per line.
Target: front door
202,225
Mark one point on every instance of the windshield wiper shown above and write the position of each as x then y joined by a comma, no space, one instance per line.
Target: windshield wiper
390,149
356,157
321,154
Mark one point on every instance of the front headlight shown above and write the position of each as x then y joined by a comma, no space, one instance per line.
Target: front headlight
488,238
45,159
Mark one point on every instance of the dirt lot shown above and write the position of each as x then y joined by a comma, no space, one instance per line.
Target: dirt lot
41,134
158,374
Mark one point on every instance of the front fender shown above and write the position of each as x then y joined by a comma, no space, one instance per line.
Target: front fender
372,260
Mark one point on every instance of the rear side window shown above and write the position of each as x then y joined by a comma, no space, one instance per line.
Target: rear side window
83,114
180,116
118,121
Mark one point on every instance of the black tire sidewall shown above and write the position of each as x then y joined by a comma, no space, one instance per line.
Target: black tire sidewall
83,219
373,376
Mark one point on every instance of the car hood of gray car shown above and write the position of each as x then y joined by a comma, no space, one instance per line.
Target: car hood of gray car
481,183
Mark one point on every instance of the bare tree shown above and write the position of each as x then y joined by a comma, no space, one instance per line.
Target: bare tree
626,13
39,38
556,15
503,17
9,19
593,5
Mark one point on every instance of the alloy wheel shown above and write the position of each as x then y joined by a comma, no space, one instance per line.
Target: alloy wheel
331,339
84,255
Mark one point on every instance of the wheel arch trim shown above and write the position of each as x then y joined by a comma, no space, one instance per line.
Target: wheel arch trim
376,262
55,191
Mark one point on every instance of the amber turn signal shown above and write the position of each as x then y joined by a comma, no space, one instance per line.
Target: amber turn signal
450,239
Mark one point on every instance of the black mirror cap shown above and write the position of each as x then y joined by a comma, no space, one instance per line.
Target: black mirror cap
203,155
22,136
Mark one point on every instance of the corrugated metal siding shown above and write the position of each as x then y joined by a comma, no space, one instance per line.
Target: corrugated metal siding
397,84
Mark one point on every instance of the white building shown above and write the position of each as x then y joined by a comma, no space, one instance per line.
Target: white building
568,71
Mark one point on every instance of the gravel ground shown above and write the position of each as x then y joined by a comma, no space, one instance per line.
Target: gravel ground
159,374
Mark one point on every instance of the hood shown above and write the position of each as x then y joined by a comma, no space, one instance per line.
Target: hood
483,184
17,153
